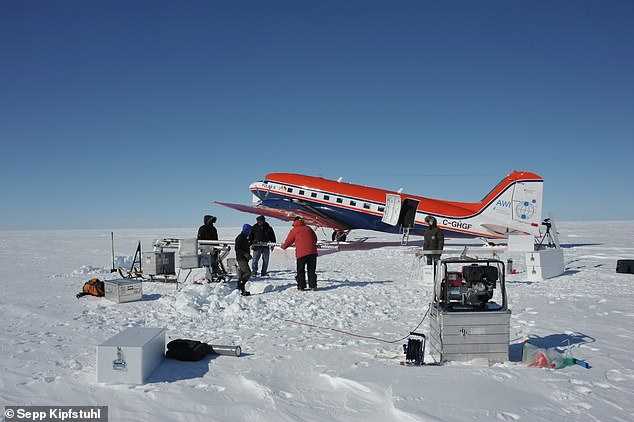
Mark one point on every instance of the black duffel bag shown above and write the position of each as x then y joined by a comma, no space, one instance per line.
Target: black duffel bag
188,350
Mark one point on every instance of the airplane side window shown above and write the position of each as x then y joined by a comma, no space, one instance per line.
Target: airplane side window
327,197
301,192
290,190
340,200
381,209
353,203
313,195
366,205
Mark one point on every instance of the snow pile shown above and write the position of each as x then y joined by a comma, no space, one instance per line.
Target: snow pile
332,354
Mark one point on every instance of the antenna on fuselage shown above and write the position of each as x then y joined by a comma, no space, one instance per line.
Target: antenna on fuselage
340,179
400,190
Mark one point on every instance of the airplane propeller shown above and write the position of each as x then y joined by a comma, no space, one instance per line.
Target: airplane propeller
257,192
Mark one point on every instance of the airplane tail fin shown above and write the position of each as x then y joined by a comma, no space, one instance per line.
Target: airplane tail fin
514,205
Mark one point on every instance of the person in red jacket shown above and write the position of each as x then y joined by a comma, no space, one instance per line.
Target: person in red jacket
305,241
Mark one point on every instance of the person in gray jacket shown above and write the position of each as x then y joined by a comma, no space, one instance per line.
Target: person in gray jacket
261,233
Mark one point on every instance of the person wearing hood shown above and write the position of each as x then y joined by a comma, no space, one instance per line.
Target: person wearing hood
261,233
433,240
243,255
305,241
209,255
207,231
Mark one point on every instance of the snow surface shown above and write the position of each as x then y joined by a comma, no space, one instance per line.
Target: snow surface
290,371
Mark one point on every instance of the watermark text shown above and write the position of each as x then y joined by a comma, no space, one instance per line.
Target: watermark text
56,413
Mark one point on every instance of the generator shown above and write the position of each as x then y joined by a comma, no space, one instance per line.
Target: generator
469,315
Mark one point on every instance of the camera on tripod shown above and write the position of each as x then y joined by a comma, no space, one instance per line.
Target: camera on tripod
550,243
547,223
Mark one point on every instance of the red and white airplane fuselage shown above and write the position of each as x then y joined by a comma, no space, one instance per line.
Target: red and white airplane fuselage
513,206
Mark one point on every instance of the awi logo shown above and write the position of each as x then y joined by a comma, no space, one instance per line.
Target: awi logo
525,210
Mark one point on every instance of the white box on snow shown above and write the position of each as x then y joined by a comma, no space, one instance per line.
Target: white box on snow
130,356
123,290
544,264
428,274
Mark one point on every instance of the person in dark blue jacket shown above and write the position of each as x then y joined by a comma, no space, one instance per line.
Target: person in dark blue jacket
243,255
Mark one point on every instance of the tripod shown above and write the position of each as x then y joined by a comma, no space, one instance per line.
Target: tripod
546,237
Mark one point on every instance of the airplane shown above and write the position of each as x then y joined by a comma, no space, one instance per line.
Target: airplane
513,206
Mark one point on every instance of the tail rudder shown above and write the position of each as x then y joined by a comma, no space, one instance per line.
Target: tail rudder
514,205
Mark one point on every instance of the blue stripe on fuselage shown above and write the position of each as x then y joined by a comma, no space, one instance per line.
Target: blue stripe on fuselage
358,219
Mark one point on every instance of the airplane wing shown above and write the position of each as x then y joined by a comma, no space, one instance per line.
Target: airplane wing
309,217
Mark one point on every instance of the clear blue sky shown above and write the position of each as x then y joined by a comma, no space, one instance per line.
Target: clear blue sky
117,114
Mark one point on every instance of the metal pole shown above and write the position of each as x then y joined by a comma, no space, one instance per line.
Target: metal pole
225,350
113,269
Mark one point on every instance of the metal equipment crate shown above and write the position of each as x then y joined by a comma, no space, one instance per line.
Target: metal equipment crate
232,265
188,254
130,356
159,263
123,290
468,335
469,316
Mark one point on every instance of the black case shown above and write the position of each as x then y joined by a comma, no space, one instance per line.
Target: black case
625,266
475,273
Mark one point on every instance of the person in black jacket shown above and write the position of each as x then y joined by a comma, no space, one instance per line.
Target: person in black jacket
207,231
210,255
433,240
261,233
243,255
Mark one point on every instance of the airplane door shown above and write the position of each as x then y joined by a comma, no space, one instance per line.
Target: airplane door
392,209
407,215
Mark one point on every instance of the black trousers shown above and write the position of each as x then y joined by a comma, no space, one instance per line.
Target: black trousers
307,263
245,273
432,259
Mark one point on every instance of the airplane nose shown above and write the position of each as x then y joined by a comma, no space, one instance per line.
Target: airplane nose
253,187
260,189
